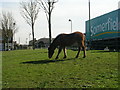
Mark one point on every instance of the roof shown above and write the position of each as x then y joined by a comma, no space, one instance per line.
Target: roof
45,40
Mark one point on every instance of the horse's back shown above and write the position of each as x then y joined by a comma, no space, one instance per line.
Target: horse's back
80,34
69,39
76,36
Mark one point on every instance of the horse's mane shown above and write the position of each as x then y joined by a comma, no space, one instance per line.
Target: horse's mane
56,40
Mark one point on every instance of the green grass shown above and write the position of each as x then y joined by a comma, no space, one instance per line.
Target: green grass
33,69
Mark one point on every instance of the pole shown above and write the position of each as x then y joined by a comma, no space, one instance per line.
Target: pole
26,40
71,24
89,25
19,40
14,42
13,38
29,36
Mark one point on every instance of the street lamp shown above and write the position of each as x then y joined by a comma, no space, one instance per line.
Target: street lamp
71,24
13,41
29,36
19,40
26,40
29,41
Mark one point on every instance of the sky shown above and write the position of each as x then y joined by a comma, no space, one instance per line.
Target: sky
76,10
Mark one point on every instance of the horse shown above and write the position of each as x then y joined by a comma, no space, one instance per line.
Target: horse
63,40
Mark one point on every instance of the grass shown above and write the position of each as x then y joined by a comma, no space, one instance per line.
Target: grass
33,69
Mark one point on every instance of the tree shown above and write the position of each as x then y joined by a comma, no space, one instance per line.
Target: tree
48,8
29,11
8,27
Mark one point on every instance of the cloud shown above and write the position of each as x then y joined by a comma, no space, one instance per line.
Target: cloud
10,0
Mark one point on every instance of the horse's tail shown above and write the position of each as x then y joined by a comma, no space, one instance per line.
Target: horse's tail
85,39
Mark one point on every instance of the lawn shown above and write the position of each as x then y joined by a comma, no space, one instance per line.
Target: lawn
33,69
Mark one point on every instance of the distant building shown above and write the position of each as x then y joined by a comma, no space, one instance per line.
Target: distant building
43,42
40,43
31,42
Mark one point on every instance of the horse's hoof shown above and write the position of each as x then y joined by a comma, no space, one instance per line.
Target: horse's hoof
84,56
76,57
56,58
64,57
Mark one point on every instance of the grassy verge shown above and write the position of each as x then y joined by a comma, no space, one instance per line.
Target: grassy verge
33,69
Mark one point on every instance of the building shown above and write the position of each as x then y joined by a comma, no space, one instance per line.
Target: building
40,43
43,42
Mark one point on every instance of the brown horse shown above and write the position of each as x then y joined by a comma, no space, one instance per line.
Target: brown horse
63,40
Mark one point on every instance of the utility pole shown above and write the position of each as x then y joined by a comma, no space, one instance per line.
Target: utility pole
29,36
26,40
19,40
89,23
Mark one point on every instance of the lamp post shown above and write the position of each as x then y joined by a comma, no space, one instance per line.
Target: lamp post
19,40
71,24
13,41
29,41
26,40
29,36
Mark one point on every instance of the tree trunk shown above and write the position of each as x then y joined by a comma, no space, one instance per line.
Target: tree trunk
3,45
33,37
12,44
49,22
50,36
7,44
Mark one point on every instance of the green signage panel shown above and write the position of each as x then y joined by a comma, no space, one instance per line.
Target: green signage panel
103,27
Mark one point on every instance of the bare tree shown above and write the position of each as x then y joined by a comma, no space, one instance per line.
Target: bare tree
8,27
48,8
29,11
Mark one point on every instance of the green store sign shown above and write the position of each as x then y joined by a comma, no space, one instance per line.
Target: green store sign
103,27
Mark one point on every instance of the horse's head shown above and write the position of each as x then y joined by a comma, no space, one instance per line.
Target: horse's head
50,51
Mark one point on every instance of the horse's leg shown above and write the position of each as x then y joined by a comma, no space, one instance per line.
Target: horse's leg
60,49
78,52
84,49
64,50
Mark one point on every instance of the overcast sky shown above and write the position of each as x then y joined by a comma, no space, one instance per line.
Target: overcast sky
76,10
